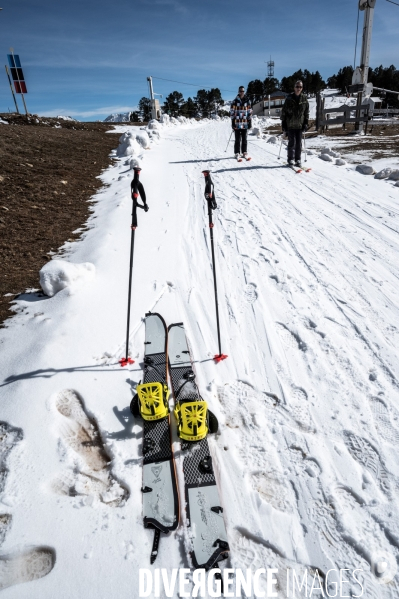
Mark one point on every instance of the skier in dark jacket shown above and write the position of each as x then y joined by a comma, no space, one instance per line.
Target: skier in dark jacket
295,121
240,114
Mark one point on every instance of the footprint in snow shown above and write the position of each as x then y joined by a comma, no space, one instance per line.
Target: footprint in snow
31,563
25,566
290,338
382,417
362,451
250,293
90,473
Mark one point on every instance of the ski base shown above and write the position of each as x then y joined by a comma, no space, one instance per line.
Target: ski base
205,523
150,404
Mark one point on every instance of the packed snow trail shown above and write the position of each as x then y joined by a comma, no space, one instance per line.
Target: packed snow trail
306,455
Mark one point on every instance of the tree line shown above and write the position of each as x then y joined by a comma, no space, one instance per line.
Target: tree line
312,83
205,103
384,77
208,102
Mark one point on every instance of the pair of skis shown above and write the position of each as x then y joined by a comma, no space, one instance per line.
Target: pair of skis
167,349
299,169
240,157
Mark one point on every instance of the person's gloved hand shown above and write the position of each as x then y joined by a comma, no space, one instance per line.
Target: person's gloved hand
284,126
250,124
232,125
305,127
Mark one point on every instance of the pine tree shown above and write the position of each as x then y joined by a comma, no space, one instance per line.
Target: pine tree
173,103
145,109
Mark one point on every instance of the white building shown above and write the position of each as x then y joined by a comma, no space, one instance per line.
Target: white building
270,105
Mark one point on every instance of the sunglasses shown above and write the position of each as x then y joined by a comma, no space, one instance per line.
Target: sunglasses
241,91
298,86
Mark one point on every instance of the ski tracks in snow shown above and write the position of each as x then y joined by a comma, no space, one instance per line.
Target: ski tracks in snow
306,276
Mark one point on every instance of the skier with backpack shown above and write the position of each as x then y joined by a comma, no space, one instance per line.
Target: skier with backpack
240,114
295,121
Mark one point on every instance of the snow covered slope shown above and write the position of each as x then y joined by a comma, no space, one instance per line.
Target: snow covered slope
307,400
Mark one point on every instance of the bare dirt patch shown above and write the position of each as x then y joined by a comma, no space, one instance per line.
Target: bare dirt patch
48,170
382,139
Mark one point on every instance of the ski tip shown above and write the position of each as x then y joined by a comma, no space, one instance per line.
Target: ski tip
219,357
125,361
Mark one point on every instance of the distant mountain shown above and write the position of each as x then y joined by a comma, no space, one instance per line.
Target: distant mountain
121,117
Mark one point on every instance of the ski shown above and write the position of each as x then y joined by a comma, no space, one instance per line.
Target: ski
239,159
294,168
206,526
247,158
297,169
160,494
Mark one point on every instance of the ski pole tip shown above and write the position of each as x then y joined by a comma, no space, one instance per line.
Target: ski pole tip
219,357
125,361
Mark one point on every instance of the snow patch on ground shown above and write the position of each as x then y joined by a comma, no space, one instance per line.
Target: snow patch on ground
57,275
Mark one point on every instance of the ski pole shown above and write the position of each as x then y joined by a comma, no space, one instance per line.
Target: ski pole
228,142
281,145
304,145
210,198
137,190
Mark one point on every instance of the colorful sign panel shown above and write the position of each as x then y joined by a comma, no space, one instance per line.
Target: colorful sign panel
17,73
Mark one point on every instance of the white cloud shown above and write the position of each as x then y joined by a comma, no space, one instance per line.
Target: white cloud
94,112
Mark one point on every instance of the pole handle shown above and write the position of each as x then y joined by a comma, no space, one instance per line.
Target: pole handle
137,190
209,191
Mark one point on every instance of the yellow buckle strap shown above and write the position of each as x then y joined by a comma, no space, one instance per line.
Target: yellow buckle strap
191,417
153,399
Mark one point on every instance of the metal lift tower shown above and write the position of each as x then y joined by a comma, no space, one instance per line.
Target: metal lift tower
270,67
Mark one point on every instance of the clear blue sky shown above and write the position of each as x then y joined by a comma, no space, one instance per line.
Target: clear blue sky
89,58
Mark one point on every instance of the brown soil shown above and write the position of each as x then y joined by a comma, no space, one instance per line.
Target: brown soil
48,170
381,139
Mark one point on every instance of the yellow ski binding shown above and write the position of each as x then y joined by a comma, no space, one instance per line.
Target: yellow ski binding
191,419
153,400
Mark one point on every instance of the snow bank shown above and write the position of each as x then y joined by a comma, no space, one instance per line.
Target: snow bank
384,174
327,150
3,122
365,169
59,274
153,124
128,144
143,139
394,176
340,162
326,157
